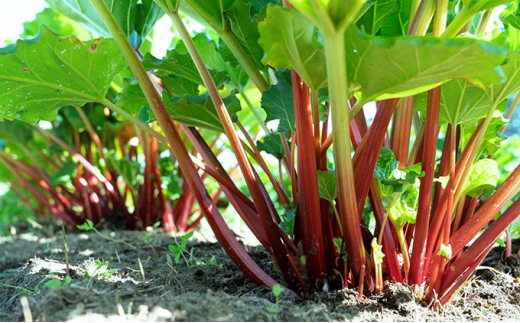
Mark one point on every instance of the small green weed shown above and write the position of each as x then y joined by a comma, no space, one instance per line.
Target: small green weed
277,291
179,249
56,283
97,269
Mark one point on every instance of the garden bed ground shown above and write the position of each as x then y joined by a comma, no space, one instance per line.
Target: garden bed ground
211,288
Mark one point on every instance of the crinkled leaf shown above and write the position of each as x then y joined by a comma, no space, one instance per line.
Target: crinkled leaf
199,111
386,164
278,105
483,175
493,138
288,40
383,68
41,76
327,186
271,144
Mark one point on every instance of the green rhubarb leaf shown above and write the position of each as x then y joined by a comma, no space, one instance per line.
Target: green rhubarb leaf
463,102
327,186
245,30
82,11
66,173
131,99
129,170
278,105
483,175
493,138
16,132
375,16
271,144
43,75
58,23
397,24
287,37
288,217
207,12
199,111
405,66
148,13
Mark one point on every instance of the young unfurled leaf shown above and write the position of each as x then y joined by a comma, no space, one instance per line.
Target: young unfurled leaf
445,251
401,213
443,180
483,175
279,106
327,186
377,250
43,75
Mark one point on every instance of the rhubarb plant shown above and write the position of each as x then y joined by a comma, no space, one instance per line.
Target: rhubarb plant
347,196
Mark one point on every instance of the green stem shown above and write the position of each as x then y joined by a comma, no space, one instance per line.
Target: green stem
134,120
422,18
334,44
336,214
463,17
236,48
404,250
257,115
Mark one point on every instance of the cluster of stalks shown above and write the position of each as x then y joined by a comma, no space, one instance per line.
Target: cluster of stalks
331,244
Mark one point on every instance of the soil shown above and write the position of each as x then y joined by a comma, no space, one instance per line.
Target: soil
206,286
